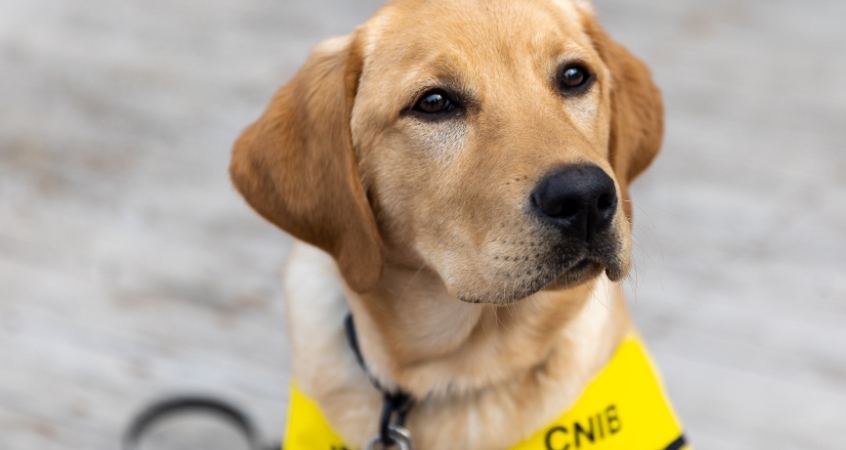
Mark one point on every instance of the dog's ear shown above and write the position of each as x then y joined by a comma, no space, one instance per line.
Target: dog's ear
296,165
637,112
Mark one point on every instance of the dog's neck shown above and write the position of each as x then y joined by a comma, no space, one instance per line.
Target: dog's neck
416,336
470,366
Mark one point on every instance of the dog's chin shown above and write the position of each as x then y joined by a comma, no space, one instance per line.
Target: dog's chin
573,276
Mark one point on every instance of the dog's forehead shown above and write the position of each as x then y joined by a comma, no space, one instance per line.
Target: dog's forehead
405,32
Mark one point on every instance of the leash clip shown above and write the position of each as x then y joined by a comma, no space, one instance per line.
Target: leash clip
395,404
397,436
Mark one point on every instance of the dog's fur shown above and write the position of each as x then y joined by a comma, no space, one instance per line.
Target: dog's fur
422,228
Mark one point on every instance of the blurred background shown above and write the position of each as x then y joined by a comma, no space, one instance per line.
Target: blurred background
130,269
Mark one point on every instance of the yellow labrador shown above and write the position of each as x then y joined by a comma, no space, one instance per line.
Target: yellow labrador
456,174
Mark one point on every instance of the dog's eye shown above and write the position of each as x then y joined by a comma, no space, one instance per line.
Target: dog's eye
574,79
435,102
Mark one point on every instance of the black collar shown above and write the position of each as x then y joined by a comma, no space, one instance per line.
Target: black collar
396,403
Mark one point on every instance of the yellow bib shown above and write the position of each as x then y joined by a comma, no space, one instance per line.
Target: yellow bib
623,408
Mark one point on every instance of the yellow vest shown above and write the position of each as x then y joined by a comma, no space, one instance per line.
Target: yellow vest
623,408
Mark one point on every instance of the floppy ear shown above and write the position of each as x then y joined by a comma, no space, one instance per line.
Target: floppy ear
637,112
297,168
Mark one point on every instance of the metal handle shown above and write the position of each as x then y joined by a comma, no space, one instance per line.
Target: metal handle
399,437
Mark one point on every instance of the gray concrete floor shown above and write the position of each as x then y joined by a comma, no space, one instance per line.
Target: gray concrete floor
130,270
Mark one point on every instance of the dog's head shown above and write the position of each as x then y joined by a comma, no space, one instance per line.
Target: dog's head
491,142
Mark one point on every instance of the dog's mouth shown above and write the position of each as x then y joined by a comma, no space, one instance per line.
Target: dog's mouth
563,264
584,266
573,275
578,273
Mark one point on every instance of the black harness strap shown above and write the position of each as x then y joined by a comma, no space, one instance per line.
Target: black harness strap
395,403
678,444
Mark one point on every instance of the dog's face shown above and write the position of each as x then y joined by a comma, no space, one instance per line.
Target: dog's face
491,142
461,118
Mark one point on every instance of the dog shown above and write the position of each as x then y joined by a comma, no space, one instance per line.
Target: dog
456,175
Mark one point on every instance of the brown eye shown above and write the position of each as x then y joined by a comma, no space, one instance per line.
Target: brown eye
434,102
574,79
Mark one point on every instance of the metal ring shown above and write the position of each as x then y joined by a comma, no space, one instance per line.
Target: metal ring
399,437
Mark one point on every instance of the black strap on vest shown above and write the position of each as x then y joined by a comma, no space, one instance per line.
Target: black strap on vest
395,403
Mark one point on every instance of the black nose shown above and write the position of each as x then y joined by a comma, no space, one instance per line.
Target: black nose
580,200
